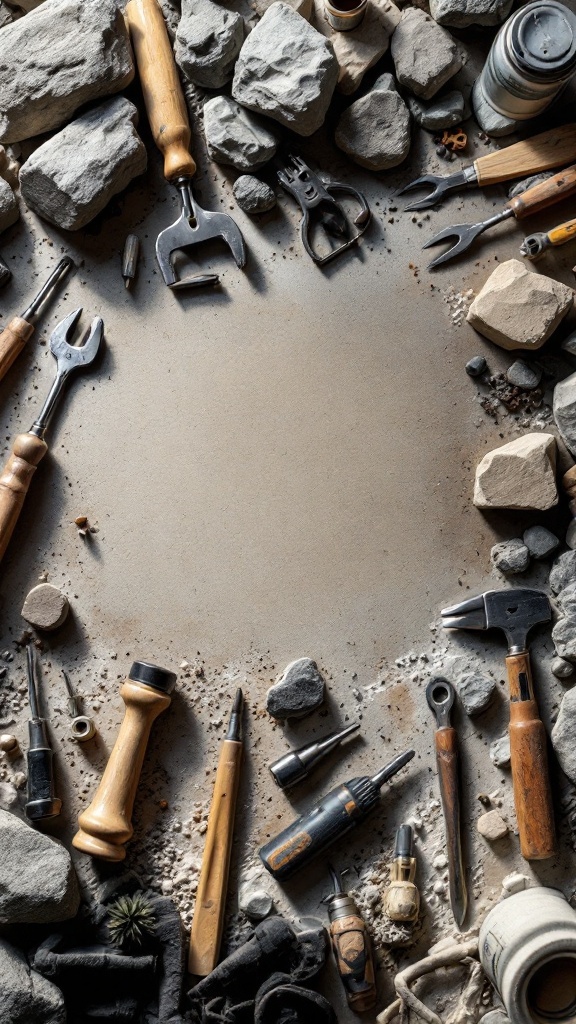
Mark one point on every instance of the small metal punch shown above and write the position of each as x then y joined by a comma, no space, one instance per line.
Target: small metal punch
314,193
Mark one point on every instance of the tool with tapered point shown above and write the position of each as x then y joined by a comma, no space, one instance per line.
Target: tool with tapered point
534,245
168,117
297,764
28,449
41,801
351,947
402,897
516,612
15,335
82,728
208,920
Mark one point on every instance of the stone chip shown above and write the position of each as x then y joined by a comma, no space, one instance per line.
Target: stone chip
520,474
563,572
425,56
442,112
208,41
500,751
540,542
476,692
492,826
37,880
298,691
235,136
375,129
252,195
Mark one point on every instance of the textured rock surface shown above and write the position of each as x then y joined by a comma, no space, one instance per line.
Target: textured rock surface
208,41
298,691
9,211
541,543
462,13
286,70
360,49
5,14
563,572
45,607
490,120
235,136
564,407
562,669
520,474
9,166
37,880
500,751
255,903
510,557
563,735
492,826
375,130
425,56
25,996
72,177
302,7
442,112
253,195
517,308
476,692
522,375
57,58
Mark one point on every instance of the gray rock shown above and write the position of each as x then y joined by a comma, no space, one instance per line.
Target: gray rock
25,996
255,903
569,344
490,120
563,572
524,375
208,41
425,56
286,70
253,195
5,14
9,211
562,669
375,130
510,556
541,543
462,13
476,692
564,408
57,58
8,796
522,186
563,735
500,752
235,136
297,692
564,638
476,366
72,177
443,112
567,601
37,879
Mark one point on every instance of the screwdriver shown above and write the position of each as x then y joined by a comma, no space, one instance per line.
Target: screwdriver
351,947
21,328
41,802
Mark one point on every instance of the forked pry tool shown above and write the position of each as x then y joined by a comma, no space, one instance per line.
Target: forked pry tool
315,194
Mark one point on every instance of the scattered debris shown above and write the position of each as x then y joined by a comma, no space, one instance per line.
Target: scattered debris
358,51
564,407
208,41
540,542
520,474
476,366
37,880
45,607
510,557
564,731
463,13
500,751
236,137
26,995
492,826
297,692
425,56
523,375
9,210
476,692
252,195
443,111
375,129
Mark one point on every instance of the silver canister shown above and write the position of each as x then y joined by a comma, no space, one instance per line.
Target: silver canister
344,15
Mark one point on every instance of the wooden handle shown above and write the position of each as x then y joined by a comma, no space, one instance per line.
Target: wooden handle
208,920
106,824
549,149
27,451
12,341
352,951
529,760
537,198
563,233
165,103
448,762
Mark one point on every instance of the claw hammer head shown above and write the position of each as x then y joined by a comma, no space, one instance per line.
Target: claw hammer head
515,612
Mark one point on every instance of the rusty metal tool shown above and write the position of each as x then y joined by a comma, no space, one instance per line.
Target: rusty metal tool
168,117
441,695
15,335
516,612
5,273
553,190
28,449
41,801
82,728
351,947
534,245
316,194
540,153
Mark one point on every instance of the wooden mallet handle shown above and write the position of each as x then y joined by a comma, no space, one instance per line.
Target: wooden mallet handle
106,824
12,341
27,451
542,152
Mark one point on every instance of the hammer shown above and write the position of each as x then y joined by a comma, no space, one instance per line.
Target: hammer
515,612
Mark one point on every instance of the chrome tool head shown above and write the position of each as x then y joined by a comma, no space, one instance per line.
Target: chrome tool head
195,225
69,358
61,270
441,695
534,245
465,235
440,186
515,612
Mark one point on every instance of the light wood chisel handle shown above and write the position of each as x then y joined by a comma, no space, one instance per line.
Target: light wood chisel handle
165,103
537,198
27,451
529,760
12,341
540,153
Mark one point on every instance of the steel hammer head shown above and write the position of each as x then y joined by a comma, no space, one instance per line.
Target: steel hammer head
515,612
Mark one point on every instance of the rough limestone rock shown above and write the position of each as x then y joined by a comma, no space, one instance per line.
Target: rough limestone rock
25,996
425,56
57,58
286,70
564,638
462,13
476,692
567,601
517,308
235,136
360,49
563,572
45,607
255,903
492,826
520,474
9,211
302,7
252,195
563,735
500,752
37,879
564,407
375,130
208,41
510,557
298,691
442,112
541,543
562,669
72,177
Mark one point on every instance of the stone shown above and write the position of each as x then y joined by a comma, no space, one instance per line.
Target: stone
37,880
492,826
541,543
286,70
45,607
9,166
563,572
563,735
8,743
255,903
567,601
562,669
5,14
514,882
235,136
297,692
304,8
520,474
517,308
425,56
476,366
25,996
490,120
462,13
208,41
71,178
9,210
443,112
25,5
358,50
252,195
500,752
521,375
57,58
476,692
564,408
375,129
569,344
8,796
564,638
510,557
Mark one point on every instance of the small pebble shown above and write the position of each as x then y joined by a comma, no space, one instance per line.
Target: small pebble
8,743
510,557
524,375
476,692
541,543
514,882
255,903
253,195
492,826
562,669
476,366
500,751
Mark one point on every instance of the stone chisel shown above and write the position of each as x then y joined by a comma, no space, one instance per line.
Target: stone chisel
15,335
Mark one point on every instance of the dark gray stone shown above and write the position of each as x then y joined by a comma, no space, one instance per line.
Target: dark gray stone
476,692
510,557
425,56
235,136
208,41
37,880
375,129
9,211
563,735
476,366
563,572
442,112
252,195
25,996
462,13
564,639
298,691
524,375
541,543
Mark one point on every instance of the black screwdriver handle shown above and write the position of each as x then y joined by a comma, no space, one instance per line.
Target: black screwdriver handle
42,801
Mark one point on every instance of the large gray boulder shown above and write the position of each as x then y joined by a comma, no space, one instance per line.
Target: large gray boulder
425,56
236,136
563,735
37,879
25,996
208,41
462,13
286,70
73,176
57,58
375,130
9,211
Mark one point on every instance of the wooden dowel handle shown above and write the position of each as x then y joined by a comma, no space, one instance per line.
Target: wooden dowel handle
12,341
27,451
165,103
563,233
447,759
537,198
540,153
529,760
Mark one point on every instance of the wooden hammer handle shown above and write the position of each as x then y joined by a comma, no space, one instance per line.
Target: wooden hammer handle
447,759
529,760
12,341
553,190
27,451
165,103
540,153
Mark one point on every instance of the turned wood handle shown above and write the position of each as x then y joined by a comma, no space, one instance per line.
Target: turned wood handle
529,761
569,485
549,149
12,341
165,103
448,762
563,233
208,920
537,198
27,451
106,824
